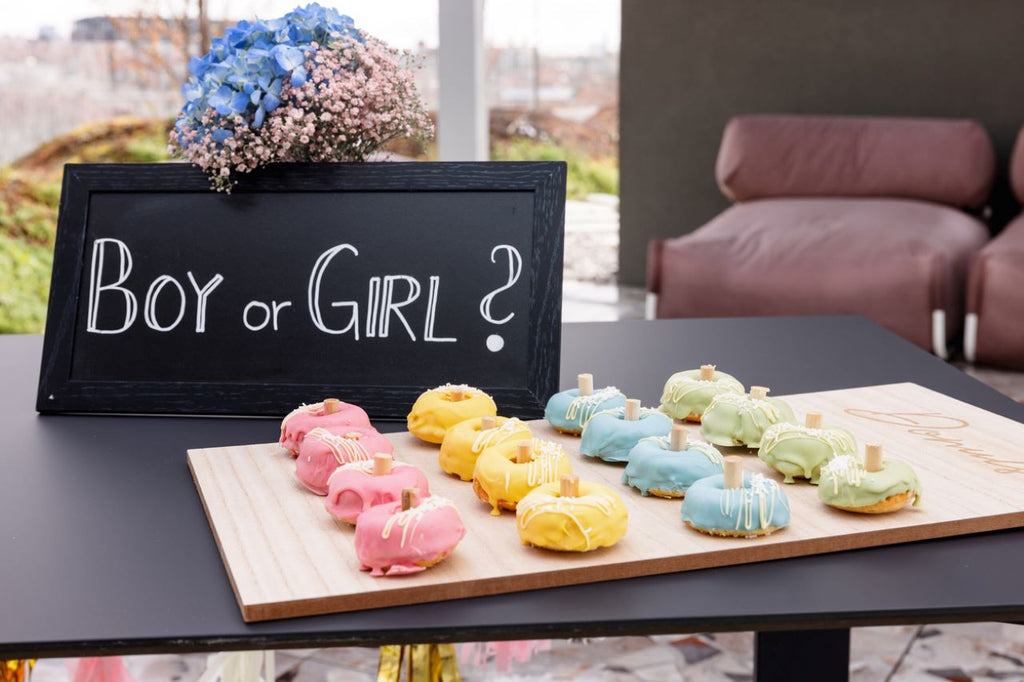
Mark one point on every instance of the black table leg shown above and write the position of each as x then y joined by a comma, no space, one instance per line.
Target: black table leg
795,655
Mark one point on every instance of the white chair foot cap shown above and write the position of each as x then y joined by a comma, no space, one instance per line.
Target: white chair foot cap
939,334
971,337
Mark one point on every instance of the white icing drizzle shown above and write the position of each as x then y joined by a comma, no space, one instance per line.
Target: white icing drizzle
845,468
409,520
744,403
315,408
554,504
760,490
676,390
582,407
346,448
620,412
706,449
365,466
499,434
545,456
840,441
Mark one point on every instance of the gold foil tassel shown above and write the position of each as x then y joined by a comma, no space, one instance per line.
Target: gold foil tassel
389,669
16,670
422,663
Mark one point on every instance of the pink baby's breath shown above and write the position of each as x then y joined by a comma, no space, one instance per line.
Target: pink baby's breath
357,98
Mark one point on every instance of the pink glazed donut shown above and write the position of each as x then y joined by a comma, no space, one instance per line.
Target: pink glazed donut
322,451
390,541
353,488
305,418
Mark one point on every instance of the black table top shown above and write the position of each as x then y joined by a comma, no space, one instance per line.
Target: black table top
104,546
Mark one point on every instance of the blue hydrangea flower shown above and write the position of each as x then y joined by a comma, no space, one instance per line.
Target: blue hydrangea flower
244,71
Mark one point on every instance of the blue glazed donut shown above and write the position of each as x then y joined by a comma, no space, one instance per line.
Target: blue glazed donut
656,469
569,412
758,508
610,436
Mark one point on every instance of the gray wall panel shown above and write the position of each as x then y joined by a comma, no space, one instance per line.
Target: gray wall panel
688,65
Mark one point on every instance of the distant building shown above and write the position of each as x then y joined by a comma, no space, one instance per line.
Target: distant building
94,29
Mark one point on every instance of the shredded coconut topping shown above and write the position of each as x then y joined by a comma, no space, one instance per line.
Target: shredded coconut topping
703,447
584,406
448,388
847,469
620,412
745,403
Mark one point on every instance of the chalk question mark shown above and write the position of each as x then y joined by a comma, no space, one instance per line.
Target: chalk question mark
496,342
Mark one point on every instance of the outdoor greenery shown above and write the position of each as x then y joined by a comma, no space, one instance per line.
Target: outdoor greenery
30,194
28,214
586,175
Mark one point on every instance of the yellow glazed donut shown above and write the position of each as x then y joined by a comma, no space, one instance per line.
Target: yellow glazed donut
466,440
501,481
594,518
441,408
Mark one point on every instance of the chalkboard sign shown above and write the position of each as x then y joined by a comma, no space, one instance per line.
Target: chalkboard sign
366,282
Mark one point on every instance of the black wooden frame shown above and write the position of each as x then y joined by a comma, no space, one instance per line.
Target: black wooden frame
524,396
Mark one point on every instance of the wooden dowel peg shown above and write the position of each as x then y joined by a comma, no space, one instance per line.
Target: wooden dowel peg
873,457
632,412
733,470
678,437
586,383
813,420
759,392
487,422
332,405
570,486
382,462
524,452
456,394
707,372
410,498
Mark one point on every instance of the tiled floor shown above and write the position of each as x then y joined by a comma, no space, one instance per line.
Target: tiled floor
976,652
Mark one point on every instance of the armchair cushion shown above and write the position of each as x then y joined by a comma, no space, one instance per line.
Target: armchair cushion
945,161
893,261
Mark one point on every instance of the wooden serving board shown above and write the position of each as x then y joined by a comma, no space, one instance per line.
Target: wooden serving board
286,556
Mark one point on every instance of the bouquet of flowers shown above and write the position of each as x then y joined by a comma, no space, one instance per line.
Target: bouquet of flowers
308,86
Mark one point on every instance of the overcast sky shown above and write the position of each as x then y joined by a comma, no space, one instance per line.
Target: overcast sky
555,26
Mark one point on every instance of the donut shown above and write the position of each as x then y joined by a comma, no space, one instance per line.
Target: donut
687,394
610,435
464,442
594,516
758,508
355,487
569,411
441,408
502,476
734,419
322,451
846,483
656,467
330,414
799,451
390,540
